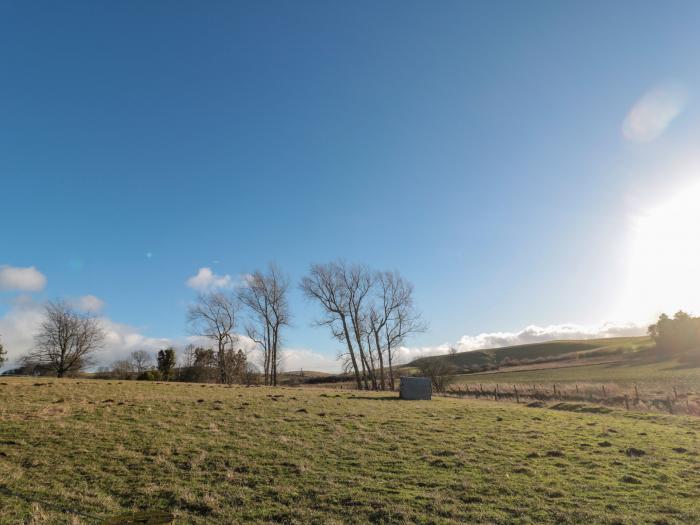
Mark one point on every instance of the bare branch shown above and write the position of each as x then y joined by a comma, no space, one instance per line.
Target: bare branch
66,340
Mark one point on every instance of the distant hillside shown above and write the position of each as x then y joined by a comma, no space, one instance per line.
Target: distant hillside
586,348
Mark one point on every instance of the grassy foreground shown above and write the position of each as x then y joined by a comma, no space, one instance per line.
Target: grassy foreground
212,454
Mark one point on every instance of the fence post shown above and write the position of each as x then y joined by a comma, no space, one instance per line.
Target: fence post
605,396
627,403
636,395
517,398
495,392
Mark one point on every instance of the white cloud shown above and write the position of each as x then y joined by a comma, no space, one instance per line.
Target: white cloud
529,334
18,326
207,280
406,354
294,359
89,303
651,114
21,279
122,339
538,334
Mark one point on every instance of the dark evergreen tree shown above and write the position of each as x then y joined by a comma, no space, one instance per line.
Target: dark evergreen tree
166,362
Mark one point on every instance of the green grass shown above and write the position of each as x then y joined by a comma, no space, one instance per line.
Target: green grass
648,374
212,454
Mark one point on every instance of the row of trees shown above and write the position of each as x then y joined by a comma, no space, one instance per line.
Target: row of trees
67,339
371,312
197,364
140,365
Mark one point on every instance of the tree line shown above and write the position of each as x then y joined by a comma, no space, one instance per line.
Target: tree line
196,364
371,313
676,334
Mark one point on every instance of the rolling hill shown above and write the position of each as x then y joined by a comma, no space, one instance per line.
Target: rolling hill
542,352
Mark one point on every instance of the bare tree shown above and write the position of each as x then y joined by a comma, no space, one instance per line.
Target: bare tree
265,296
122,369
66,340
214,316
251,375
357,281
189,355
325,285
373,313
235,364
392,318
438,370
141,361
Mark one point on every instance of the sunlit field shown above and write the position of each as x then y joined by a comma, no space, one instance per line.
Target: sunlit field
235,233
650,376
81,451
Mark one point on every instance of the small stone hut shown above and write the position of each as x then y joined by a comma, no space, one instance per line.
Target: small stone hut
416,388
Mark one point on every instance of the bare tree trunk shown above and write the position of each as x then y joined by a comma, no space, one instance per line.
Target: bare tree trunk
274,357
222,362
391,371
351,352
366,370
390,358
382,382
265,296
268,356
357,332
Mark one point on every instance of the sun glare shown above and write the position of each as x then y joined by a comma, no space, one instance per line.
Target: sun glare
664,260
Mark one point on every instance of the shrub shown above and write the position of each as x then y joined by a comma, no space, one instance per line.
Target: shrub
149,375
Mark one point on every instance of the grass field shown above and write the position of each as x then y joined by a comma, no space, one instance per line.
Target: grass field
648,374
616,371
212,454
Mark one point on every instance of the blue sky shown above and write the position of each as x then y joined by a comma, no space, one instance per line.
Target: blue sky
476,147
